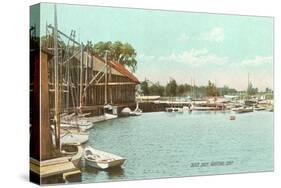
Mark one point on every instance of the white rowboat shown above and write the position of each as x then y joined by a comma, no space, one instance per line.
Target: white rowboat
102,160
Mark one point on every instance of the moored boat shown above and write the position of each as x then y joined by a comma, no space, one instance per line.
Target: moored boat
81,123
70,137
259,108
74,151
243,109
174,109
102,160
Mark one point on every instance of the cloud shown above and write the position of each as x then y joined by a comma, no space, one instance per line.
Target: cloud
183,37
216,34
257,61
144,57
197,57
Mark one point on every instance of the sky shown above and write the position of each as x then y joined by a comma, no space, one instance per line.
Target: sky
181,45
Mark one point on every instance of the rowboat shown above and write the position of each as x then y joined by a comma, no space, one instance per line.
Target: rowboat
70,137
102,160
74,151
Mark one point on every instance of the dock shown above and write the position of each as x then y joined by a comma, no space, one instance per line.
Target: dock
54,170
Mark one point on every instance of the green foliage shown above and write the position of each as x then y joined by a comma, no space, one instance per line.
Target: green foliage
144,87
171,88
117,51
156,89
212,89
120,52
251,90
226,91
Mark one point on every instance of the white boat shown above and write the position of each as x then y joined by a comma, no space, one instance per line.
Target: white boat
174,109
259,108
104,117
102,160
70,137
137,111
243,109
204,108
125,112
187,108
81,123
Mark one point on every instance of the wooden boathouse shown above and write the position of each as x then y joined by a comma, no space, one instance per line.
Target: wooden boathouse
90,85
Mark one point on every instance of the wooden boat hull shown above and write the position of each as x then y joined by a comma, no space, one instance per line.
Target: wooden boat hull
102,160
81,126
103,166
74,151
79,138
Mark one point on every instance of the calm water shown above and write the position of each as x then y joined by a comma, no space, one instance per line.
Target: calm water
172,144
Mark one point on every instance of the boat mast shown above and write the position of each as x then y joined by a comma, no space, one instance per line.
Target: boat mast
81,77
105,86
248,86
56,67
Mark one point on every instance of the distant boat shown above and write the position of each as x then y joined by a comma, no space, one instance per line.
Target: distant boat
102,160
174,109
205,108
259,108
232,118
137,111
127,112
187,108
270,109
243,109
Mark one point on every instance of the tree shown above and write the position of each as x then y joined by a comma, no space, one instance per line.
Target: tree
120,52
268,90
144,87
156,89
211,89
251,90
171,88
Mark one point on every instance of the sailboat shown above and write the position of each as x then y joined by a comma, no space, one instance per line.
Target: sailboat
81,123
71,136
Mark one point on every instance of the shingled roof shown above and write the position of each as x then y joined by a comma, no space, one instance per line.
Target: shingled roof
120,68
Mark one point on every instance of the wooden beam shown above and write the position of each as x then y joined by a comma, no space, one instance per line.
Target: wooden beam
115,83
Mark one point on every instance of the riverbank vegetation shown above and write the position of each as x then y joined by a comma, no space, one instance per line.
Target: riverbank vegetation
173,89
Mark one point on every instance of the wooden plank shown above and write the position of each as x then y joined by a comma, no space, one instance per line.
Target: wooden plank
54,169
45,134
50,161
116,83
